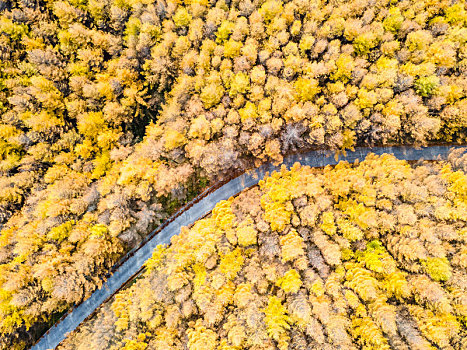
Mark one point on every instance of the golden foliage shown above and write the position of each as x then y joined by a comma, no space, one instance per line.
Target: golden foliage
246,234
290,282
201,338
123,109
231,282
292,246
276,319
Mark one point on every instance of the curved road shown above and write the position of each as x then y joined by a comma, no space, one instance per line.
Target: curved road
134,263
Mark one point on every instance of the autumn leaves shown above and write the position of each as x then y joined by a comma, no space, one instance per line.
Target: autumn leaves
360,260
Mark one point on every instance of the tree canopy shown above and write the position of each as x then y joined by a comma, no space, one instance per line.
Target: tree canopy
115,112
370,255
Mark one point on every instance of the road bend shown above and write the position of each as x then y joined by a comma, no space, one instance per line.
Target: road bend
134,262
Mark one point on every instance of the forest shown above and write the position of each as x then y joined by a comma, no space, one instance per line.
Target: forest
370,255
114,113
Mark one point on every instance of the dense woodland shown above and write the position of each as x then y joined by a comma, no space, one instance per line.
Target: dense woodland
365,256
115,112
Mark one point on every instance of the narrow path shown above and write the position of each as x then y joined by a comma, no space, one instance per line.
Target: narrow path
138,257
